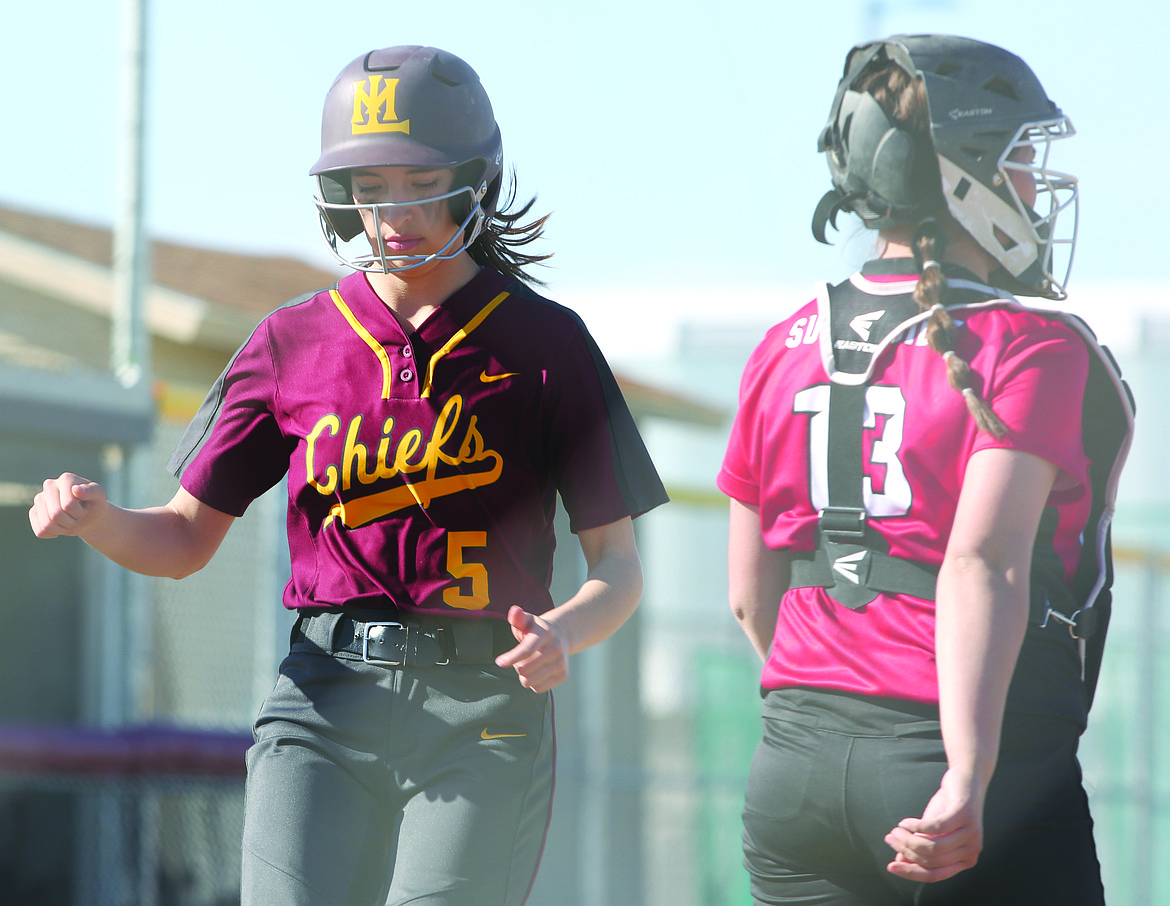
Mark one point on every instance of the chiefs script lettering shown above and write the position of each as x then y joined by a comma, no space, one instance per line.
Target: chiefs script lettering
373,107
413,454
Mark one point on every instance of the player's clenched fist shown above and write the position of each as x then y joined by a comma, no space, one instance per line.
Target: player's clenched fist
67,505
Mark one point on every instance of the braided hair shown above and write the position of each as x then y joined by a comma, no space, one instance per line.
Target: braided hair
904,99
929,244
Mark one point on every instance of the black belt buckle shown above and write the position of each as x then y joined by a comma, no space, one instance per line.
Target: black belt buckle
843,522
407,634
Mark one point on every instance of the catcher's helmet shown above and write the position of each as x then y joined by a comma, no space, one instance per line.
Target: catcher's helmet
983,104
407,106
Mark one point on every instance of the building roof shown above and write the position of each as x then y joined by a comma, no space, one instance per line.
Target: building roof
250,283
206,296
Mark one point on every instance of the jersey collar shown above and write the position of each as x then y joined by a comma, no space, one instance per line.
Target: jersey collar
466,301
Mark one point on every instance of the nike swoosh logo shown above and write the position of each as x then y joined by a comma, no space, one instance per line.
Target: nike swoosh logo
490,378
486,735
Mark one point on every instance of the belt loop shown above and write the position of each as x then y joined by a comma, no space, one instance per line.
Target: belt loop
298,630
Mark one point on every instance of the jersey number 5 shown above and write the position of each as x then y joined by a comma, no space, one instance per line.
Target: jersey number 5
894,498
459,568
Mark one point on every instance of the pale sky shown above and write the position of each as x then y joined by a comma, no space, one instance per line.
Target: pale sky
674,142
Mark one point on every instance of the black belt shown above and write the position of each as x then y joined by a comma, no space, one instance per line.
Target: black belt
393,638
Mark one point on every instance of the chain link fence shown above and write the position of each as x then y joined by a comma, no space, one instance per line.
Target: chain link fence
151,814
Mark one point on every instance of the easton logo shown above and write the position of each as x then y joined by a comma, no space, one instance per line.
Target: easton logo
959,114
373,107
863,324
848,565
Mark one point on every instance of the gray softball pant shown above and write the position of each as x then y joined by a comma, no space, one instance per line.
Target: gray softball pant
371,785
834,772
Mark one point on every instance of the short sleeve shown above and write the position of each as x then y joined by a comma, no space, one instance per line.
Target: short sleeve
740,474
737,476
233,450
1038,392
600,463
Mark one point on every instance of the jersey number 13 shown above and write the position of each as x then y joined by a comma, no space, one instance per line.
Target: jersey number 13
894,497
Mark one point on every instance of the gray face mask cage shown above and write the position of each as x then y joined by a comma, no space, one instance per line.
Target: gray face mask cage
1032,242
341,225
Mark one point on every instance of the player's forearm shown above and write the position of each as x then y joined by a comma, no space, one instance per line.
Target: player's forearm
757,619
157,541
757,577
172,540
757,581
606,599
982,600
981,615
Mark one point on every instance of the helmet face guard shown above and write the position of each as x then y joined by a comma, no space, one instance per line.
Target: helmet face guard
984,103
413,107
365,252
1032,243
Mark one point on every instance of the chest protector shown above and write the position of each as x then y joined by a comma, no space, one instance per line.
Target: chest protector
852,562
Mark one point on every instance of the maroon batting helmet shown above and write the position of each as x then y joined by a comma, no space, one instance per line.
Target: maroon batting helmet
407,106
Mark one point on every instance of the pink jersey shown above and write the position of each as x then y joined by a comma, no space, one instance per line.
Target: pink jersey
423,466
917,438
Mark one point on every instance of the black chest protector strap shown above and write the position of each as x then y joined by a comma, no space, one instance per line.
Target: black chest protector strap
851,561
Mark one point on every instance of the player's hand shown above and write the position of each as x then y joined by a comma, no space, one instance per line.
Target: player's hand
541,659
946,840
68,505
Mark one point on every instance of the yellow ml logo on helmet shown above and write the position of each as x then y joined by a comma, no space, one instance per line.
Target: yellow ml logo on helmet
373,107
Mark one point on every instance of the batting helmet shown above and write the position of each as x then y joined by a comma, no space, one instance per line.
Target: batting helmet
983,103
407,106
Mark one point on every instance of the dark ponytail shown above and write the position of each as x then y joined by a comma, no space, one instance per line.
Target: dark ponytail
498,244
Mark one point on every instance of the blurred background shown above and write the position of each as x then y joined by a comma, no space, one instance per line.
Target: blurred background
155,204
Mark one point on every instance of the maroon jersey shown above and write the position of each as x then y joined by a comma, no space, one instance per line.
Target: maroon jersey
917,438
423,466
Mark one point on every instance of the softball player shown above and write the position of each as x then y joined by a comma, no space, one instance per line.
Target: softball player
922,472
427,411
